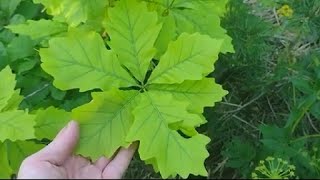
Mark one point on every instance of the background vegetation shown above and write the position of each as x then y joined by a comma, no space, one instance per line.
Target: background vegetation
272,110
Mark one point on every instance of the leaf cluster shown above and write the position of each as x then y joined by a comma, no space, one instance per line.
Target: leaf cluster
144,65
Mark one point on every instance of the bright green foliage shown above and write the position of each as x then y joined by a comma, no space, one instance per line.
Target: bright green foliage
190,16
133,31
39,29
52,6
190,57
149,62
50,121
91,64
13,102
115,117
14,124
75,12
106,121
174,154
203,93
7,85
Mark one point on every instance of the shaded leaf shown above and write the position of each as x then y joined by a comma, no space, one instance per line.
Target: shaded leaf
20,47
19,150
9,6
5,169
39,29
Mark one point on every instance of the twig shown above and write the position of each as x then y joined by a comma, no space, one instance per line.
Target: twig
231,104
242,120
219,166
276,16
311,123
245,105
36,91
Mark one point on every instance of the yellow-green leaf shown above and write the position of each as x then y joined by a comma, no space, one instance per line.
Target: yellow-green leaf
50,121
190,57
16,125
133,31
200,94
105,122
82,61
173,153
75,12
7,85
14,102
190,16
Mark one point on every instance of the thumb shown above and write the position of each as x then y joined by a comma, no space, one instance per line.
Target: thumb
61,147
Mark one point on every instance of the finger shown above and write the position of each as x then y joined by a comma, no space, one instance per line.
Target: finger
116,168
102,163
58,151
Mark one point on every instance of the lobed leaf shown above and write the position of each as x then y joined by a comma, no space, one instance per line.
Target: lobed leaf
16,125
7,85
14,101
197,21
80,60
158,114
190,57
200,94
75,12
190,16
133,31
173,153
50,121
52,7
105,122
39,29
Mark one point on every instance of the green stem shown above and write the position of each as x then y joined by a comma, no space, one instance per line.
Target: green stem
306,137
299,111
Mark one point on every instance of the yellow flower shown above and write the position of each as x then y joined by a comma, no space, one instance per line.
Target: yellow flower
285,10
273,168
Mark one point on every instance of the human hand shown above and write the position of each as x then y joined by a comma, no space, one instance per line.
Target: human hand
56,161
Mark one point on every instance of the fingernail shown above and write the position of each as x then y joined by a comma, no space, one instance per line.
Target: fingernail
71,123
67,126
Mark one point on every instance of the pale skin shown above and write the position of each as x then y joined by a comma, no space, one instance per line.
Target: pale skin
57,161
